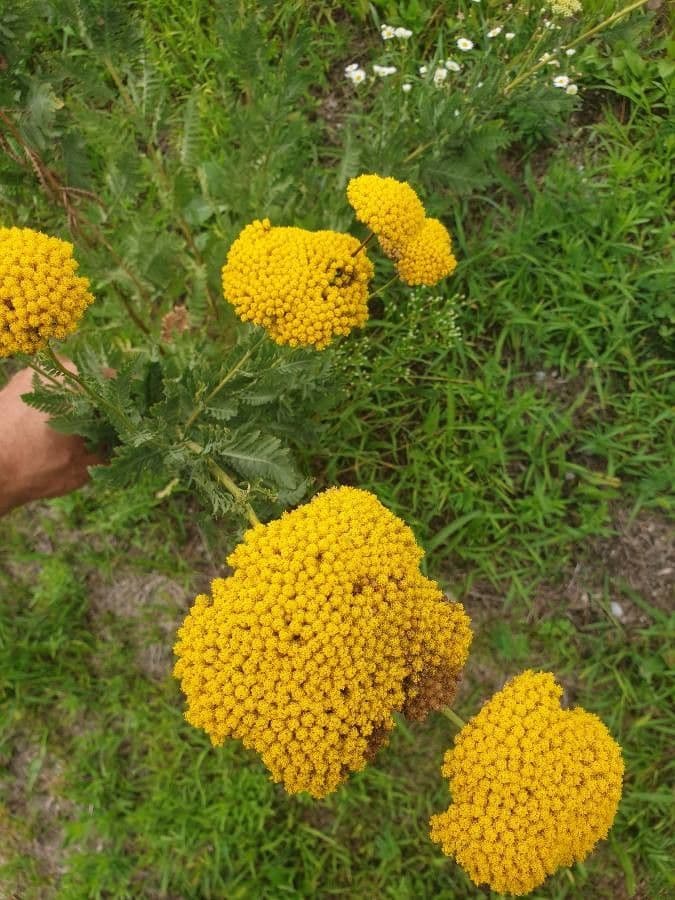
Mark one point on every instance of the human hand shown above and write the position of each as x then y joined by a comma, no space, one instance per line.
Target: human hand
35,460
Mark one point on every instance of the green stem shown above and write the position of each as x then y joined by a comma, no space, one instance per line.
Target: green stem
452,715
67,374
364,243
582,37
43,374
384,287
228,483
221,384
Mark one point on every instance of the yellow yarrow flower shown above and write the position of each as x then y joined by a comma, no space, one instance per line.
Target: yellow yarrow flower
427,257
534,787
390,208
41,297
324,629
303,287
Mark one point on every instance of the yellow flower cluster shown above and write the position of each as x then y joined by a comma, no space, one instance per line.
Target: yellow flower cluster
324,629
428,256
565,7
40,294
534,787
303,287
392,210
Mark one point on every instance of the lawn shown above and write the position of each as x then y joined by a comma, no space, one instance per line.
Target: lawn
518,416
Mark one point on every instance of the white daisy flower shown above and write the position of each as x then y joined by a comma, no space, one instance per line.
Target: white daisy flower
570,52
510,35
423,70
452,65
464,44
407,87
383,71
352,67
388,32
358,76
571,89
403,33
440,75
493,32
561,81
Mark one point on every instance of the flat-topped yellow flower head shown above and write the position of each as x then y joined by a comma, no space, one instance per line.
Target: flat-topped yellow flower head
41,297
303,287
427,257
390,208
534,787
324,629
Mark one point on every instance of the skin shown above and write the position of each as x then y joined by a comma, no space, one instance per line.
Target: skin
36,461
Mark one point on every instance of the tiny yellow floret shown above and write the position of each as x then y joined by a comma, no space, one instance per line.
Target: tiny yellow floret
41,297
390,208
325,628
303,287
534,787
427,257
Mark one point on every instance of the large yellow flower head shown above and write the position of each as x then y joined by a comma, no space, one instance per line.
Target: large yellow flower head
324,629
40,295
390,208
427,257
304,287
534,787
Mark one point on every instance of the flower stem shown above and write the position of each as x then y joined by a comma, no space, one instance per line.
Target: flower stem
364,243
582,37
67,374
452,715
221,384
221,476
384,287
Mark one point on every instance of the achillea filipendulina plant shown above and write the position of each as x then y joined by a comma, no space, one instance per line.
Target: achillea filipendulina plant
565,8
41,297
325,628
303,287
427,257
389,208
534,787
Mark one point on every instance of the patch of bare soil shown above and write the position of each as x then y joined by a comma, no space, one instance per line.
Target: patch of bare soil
33,815
153,605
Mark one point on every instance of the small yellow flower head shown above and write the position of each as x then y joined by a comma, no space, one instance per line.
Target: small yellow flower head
390,208
324,629
40,295
303,287
565,7
534,787
427,257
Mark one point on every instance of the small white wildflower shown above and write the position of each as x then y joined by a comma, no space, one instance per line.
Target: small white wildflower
423,70
464,44
493,32
388,32
407,87
358,76
440,75
571,89
561,81
352,67
383,71
403,33
480,84
617,610
545,58
510,35
570,52
452,65
456,112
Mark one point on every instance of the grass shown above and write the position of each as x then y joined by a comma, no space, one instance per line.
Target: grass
532,455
